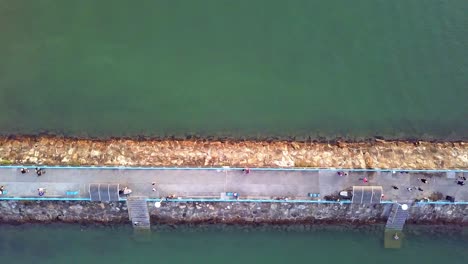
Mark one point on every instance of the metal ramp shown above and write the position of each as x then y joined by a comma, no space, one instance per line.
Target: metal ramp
103,192
397,218
138,212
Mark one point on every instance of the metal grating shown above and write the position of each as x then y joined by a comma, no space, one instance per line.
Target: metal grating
94,192
367,194
113,192
103,192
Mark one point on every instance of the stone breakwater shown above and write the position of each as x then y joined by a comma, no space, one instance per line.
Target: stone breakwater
225,212
204,153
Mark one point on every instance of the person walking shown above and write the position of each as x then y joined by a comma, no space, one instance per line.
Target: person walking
40,171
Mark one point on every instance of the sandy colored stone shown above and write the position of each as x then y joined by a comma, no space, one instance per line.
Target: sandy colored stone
203,153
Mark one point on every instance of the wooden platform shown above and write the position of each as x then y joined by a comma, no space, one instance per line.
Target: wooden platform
138,212
390,241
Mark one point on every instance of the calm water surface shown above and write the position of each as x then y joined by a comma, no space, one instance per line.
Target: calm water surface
243,68
69,244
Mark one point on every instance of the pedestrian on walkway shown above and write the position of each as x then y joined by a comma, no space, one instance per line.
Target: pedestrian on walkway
41,191
246,170
24,170
424,180
154,189
409,189
395,187
40,171
461,183
420,189
365,180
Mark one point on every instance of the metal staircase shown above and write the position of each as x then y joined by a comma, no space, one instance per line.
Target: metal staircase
138,212
397,218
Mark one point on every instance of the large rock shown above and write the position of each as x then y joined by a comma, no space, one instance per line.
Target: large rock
120,152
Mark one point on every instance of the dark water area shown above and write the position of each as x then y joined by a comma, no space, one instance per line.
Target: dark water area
332,245
241,69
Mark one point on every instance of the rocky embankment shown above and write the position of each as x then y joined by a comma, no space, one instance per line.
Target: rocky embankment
19,212
225,213
123,152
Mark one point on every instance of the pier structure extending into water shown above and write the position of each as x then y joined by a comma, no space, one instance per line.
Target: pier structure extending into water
395,224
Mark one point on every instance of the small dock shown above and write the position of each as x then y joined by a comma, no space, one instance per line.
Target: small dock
138,212
394,227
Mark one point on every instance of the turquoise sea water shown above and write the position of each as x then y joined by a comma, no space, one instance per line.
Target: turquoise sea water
71,244
254,68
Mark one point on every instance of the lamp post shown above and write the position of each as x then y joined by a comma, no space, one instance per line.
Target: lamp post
158,204
404,207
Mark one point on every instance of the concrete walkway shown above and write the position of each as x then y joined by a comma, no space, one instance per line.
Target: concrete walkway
210,183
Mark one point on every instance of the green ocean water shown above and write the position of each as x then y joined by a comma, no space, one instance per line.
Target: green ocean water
70,244
237,68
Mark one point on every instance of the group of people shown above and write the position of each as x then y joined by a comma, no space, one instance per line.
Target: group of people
39,171
343,173
172,196
460,181
425,181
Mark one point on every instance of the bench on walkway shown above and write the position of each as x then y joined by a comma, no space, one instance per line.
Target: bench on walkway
72,193
229,195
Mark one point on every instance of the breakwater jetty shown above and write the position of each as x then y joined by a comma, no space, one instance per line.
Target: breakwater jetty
232,195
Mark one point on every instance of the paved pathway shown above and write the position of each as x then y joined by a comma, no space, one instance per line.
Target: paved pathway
210,183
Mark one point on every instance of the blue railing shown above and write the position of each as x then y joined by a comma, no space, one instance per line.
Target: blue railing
185,200
43,199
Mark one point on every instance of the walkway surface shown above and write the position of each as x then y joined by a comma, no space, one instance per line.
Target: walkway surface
212,183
